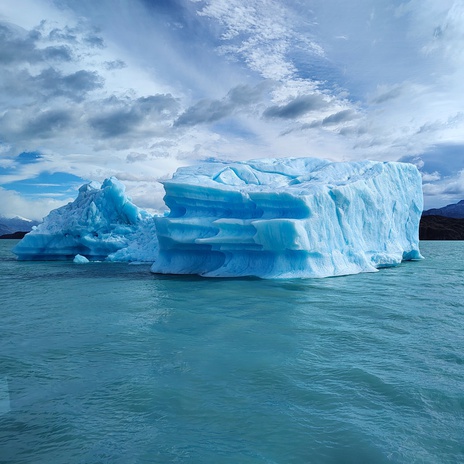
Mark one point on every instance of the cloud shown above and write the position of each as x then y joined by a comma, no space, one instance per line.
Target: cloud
12,202
65,34
134,157
19,46
115,64
431,177
445,159
443,191
124,116
444,32
208,111
297,107
116,123
442,170
34,125
75,86
46,86
340,117
261,34
205,111
94,41
44,124
36,110
389,94
433,126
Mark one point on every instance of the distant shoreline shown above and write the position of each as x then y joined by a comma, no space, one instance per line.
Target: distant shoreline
14,235
441,228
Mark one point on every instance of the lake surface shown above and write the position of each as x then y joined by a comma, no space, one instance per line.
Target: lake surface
107,363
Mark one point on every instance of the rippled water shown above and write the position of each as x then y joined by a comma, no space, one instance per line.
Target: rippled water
106,362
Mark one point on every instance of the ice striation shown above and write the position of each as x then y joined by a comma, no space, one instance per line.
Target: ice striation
100,223
270,218
287,218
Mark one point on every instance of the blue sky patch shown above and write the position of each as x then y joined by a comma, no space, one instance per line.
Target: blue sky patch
29,157
54,184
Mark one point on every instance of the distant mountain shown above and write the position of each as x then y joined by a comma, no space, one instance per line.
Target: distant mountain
452,211
16,224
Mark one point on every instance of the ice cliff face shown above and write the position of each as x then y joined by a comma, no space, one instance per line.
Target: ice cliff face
102,221
271,218
284,218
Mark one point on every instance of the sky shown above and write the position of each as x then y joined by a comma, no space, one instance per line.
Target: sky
137,88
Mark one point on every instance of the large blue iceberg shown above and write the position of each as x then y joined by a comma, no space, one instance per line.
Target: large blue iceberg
285,218
270,218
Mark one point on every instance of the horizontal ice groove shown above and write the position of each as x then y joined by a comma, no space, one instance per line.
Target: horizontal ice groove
270,218
290,217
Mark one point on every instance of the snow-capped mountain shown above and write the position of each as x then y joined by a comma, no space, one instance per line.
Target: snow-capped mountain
15,224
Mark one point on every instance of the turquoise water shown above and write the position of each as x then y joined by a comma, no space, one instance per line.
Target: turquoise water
107,363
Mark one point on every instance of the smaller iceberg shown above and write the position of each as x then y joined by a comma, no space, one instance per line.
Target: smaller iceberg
102,221
79,259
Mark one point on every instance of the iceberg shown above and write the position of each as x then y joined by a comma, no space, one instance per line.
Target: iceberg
269,218
289,218
101,222
79,259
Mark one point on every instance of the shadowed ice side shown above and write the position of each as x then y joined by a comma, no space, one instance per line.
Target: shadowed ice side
269,218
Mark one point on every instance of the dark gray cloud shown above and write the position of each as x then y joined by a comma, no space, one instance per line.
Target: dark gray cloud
16,47
53,83
340,117
134,157
331,120
207,111
160,104
389,95
115,64
246,94
47,84
116,123
125,116
297,107
66,34
74,35
46,123
94,41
